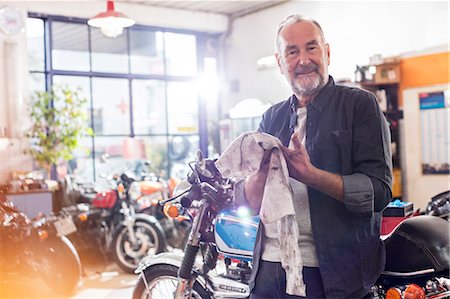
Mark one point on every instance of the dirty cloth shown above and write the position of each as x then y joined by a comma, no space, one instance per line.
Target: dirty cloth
243,158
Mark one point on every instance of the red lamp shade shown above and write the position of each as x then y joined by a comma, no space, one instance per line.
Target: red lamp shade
111,22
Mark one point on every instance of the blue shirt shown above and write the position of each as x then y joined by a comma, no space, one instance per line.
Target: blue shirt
346,134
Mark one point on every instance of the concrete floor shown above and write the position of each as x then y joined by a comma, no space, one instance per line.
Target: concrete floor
110,282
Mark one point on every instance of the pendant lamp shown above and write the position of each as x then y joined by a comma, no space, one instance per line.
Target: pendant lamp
111,22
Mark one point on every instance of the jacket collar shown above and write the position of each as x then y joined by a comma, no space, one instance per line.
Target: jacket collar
324,96
320,101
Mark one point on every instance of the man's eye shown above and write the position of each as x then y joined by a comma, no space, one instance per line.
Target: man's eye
290,53
312,48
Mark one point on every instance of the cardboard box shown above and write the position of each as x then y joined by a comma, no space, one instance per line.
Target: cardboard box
398,208
387,73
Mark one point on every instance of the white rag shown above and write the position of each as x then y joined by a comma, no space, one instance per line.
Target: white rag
243,158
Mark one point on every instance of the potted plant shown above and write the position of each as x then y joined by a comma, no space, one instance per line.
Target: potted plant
58,120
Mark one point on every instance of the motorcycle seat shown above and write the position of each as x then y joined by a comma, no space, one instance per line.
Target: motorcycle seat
419,244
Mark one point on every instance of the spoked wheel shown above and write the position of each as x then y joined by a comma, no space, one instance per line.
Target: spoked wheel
162,283
127,253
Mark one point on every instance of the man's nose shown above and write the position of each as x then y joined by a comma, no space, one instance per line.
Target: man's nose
304,58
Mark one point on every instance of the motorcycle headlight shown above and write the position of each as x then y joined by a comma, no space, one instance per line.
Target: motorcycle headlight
134,192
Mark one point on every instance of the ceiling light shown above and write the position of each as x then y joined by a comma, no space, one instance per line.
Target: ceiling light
111,22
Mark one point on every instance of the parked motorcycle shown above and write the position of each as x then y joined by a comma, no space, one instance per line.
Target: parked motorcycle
439,205
417,264
148,193
109,224
38,248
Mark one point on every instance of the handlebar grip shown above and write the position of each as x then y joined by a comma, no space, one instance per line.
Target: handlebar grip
194,193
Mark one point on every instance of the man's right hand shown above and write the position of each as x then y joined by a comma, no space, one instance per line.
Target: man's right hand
254,184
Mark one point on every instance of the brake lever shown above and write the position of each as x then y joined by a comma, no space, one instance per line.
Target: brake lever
163,202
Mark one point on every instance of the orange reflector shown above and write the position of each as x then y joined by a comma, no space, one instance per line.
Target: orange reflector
83,217
120,188
413,291
171,211
43,234
393,293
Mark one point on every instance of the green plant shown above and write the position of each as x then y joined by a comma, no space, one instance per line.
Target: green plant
58,121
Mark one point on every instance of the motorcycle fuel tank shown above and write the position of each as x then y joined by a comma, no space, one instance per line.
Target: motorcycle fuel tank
235,234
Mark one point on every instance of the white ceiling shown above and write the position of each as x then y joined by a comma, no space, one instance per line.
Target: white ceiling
231,8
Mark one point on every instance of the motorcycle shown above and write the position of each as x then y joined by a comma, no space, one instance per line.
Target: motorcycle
148,193
217,230
439,205
109,225
417,264
38,248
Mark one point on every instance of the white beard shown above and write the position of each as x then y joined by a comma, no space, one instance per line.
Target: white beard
307,86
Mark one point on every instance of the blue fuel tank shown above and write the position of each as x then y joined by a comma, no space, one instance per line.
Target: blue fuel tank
235,234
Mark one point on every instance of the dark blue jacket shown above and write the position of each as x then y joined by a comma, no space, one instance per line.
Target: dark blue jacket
346,134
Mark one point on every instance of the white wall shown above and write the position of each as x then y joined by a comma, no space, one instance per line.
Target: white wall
355,31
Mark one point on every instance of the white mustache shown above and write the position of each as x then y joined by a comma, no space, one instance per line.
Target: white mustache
305,69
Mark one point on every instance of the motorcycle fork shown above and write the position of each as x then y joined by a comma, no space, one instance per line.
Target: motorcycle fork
186,282
184,288
128,221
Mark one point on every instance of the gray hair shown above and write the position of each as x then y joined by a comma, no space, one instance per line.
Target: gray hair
292,19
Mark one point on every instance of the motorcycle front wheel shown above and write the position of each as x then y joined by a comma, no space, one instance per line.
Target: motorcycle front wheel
59,265
149,241
162,283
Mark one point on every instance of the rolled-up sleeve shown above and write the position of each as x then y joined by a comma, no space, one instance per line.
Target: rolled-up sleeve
359,193
369,188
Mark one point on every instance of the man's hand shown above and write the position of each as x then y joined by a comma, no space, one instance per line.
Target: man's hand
298,161
254,184
301,169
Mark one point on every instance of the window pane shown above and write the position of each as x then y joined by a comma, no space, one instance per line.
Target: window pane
111,106
35,44
182,150
181,54
70,46
149,107
128,154
82,84
83,164
154,150
109,54
147,55
182,107
37,82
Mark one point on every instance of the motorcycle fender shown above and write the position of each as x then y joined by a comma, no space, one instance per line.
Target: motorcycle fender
168,258
150,219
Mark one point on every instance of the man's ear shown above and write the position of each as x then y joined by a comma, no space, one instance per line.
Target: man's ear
277,56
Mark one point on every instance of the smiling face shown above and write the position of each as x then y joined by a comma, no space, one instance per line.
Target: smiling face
303,57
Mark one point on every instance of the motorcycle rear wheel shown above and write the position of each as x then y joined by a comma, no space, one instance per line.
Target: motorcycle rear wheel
149,242
162,281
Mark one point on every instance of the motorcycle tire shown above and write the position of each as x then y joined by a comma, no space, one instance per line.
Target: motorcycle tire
150,242
162,281
60,265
